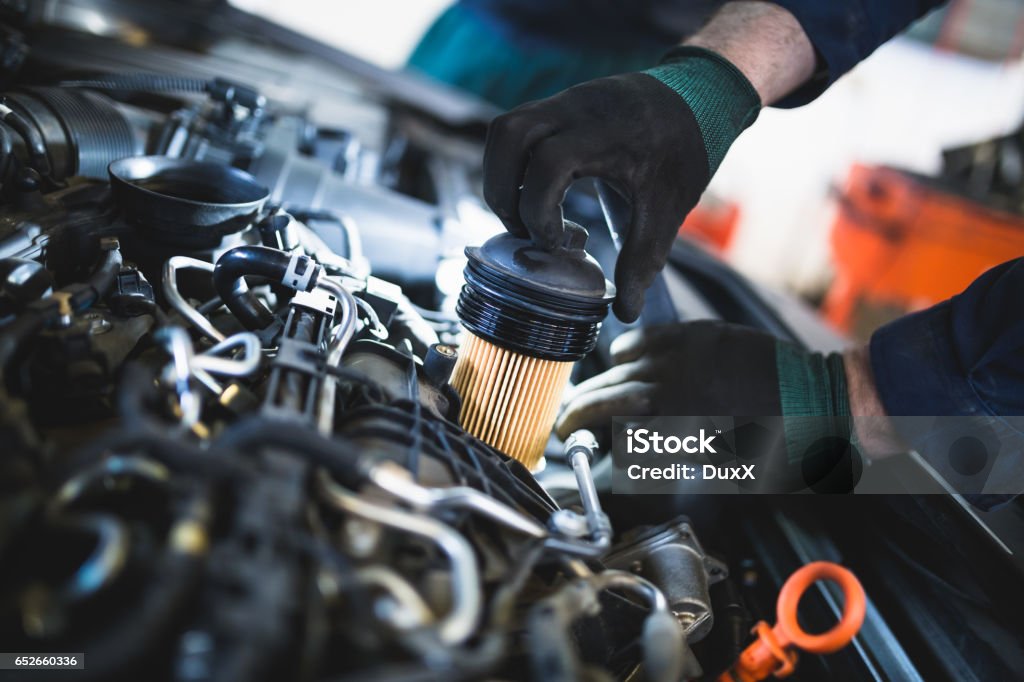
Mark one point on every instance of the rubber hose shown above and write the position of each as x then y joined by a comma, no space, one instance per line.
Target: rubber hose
95,131
130,643
158,83
252,261
338,457
103,279
140,82
6,153
33,140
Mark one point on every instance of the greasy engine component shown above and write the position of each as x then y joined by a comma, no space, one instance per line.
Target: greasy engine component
671,557
21,282
186,203
235,450
292,270
69,133
530,313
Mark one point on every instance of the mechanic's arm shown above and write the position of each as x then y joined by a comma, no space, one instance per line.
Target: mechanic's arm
962,358
660,135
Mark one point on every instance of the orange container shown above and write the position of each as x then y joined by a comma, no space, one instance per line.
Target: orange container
900,245
712,223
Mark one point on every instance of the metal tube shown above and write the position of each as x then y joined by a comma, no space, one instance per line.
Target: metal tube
612,579
347,326
242,366
340,339
401,591
178,302
580,449
460,623
179,371
107,559
395,480
585,481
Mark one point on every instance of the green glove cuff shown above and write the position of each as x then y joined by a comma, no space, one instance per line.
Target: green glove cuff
722,99
813,397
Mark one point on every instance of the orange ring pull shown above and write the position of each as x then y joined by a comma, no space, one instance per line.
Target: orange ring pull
771,653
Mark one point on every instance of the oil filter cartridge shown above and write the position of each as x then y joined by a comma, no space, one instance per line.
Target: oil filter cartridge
530,313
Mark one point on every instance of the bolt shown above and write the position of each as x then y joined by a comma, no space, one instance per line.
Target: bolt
569,523
445,349
98,324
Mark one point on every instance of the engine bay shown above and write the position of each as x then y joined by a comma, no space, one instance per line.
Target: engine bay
232,446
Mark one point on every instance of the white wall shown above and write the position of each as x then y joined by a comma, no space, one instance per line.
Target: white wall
901,106
380,31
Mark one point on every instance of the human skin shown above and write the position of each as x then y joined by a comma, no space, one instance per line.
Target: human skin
768,45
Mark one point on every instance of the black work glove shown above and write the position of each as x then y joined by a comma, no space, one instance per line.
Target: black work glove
657,136
712,368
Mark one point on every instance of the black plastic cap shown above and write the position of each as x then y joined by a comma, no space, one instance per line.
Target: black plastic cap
534,301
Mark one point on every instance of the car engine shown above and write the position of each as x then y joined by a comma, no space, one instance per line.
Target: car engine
231,448
237,442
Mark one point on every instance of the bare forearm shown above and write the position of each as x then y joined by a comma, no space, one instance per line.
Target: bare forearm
765,42
875,434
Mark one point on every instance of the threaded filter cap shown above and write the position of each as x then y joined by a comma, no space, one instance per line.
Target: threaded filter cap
542,303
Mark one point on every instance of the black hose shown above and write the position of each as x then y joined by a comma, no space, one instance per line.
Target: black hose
104,277
6,153
158,83
129,645
153,83
339,458
82,132
34,141
254,261
176,454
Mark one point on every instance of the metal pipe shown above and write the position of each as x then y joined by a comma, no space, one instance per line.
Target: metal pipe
241,366
179,371
399,589
395,479
178,302
112,466
347,325
107,559
461,621
580,449
340,339
623,580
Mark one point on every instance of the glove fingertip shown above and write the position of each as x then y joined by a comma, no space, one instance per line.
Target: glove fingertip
515,227
628,305
628,346
568,420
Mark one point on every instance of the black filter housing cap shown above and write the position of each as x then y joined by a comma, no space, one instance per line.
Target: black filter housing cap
546,303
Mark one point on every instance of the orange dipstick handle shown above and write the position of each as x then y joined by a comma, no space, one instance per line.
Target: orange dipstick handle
772,653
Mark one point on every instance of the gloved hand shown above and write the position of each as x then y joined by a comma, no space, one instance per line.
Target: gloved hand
711,368
658,136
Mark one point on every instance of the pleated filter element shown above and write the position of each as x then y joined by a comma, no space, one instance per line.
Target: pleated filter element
530,313
509,400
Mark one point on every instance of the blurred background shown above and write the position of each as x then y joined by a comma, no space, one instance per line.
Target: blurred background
890,192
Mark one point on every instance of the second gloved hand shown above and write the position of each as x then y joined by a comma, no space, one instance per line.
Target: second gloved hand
711,368
657,136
